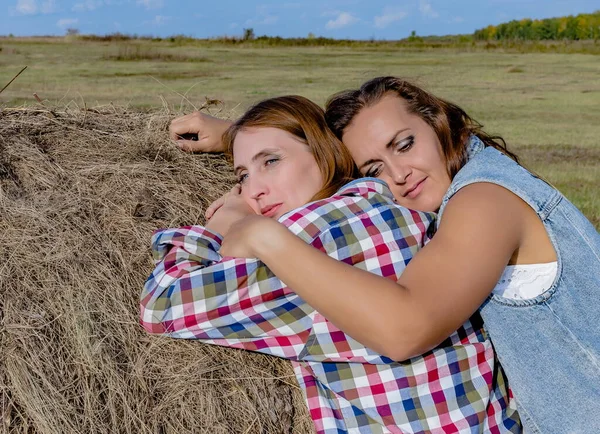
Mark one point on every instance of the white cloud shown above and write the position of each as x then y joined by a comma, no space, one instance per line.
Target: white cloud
426,9
389,16
87,5
26,7
63,23
150,4
263,20
159,20
344,19
31,7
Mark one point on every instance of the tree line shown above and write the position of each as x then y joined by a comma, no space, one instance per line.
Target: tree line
579,27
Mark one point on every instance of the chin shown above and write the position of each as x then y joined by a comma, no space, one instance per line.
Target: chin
424,206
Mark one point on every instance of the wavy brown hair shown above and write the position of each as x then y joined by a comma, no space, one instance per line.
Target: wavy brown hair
451,124
305,120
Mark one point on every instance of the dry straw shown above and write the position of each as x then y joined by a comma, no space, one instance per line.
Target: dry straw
80,194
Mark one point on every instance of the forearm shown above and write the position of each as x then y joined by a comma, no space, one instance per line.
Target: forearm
236,303
374,310
442,286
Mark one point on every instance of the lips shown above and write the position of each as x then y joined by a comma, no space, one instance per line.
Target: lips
414,191
270,210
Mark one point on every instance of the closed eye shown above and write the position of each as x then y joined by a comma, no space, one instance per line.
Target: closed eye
374,171
242,178
405,145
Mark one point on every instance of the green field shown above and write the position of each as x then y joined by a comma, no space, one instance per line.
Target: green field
546,105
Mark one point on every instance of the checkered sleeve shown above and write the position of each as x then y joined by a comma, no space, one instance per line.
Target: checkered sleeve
194,293
201,243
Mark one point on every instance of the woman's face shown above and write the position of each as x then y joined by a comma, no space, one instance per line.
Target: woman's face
400,148
276,170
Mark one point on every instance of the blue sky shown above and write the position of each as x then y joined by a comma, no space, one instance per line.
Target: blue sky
355,19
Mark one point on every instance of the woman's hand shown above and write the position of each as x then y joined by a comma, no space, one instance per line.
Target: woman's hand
213,207
198,132
227,210
249,237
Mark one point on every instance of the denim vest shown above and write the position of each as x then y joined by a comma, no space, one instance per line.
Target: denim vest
549,345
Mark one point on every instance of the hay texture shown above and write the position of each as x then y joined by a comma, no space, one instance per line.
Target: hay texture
80,193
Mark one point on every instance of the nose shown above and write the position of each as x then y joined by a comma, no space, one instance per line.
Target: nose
256,188
399,173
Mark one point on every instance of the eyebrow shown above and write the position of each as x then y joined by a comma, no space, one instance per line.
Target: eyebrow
258,156
388,145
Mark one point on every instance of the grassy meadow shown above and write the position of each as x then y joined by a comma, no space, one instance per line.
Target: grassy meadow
546,105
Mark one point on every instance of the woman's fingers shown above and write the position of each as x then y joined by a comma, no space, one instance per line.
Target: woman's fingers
183,125
210,211
189,145
236,189
186,131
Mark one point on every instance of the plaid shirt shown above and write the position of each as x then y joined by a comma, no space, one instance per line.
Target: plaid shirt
195,293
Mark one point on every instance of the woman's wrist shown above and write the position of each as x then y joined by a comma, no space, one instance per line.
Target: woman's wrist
269,238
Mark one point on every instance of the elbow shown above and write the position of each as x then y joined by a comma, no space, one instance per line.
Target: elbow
154,328
148,328
399,352
402,353
407,344
149,323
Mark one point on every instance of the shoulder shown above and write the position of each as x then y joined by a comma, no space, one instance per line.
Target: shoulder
486,196
486,210
366,187
365,202
354,198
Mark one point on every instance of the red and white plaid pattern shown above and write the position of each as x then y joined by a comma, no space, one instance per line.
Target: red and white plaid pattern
195,293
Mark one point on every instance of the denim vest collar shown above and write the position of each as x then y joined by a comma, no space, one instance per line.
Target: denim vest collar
474,146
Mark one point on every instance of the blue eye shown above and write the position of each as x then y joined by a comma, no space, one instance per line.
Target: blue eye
242,178
271,161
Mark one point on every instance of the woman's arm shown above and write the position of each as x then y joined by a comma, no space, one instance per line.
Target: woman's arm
198,132
195,294
439,290
361,227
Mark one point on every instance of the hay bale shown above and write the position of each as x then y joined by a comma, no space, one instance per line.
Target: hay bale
80,194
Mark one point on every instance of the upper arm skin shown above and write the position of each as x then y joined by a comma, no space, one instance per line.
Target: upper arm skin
451,277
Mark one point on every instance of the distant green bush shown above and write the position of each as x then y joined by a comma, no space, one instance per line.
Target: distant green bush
490,38
575,28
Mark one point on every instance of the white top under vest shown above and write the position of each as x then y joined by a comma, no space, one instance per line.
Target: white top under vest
522,282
